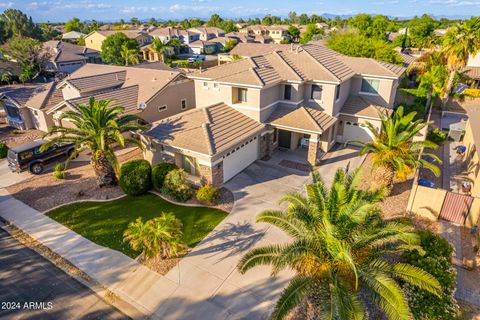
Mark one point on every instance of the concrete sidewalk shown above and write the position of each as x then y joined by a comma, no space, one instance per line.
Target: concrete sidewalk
132,282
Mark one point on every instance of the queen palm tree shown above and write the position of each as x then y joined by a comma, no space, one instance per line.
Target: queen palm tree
129,55
395,155
156,237
96,127
459,43
160,47
341,251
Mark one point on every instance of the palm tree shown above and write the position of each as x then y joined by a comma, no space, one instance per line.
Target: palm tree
160,47
341,251
459,43
156,237
395,155
175,44
129,55
96,127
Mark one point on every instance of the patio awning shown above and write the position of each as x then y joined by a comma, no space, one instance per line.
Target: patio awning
456,207
302,119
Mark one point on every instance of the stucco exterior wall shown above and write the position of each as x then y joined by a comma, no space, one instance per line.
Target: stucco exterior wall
94,41
384,97
426,202
345,88
171,97
41,120
69,93
472,159
328,97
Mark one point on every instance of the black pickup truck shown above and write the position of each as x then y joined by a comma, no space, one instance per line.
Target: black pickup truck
29,157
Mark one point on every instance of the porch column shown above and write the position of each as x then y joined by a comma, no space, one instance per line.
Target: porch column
266,145
313,145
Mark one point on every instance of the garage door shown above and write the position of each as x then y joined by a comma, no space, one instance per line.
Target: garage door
239,158
354,131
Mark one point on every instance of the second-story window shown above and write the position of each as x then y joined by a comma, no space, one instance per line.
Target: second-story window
316,93
370,86
337,94
242,95
287,94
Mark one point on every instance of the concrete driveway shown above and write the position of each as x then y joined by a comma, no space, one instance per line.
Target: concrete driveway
8,178
27,277
209,285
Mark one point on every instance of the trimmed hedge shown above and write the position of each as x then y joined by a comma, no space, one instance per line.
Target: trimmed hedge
177,185
159,172
136,177
208,194
437,136
3,150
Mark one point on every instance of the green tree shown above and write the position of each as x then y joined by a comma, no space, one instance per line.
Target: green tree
294,33
310,33
420,30
303,19
112,46
135,21
292,17
129,55
160,47
29,54
195,23
74,24
395,155
215,21
16,23
362,22
354,44
229,45
228,26
49,32
341,252
96,127
159,236
461,41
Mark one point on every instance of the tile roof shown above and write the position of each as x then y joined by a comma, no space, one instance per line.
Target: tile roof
20,94
64,52
132,34
301,118
205,30
168,31
312,62
49,97
126,97
97,81
472,72
211,130
361,106
73,35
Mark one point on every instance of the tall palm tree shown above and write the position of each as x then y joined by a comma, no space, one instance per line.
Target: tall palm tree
129,55
156,237
459,43
160,47
341,252
96,127
395,155
175,44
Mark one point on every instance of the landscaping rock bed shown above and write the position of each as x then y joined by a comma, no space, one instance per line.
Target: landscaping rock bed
225,201
44,192
13,137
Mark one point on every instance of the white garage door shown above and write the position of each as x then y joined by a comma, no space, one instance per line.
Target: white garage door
354,131
238,159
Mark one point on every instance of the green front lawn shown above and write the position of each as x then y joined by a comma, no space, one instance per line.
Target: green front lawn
105,222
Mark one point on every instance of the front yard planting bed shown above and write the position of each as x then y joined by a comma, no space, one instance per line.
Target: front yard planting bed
105,222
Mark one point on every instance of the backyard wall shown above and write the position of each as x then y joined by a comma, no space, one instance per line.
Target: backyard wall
426,202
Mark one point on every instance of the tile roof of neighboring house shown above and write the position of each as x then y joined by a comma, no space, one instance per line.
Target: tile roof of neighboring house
303,118
126,97
132,34
310,62
150,81
165,32
242,37
64,52
20,94
472,72
255,49
73,35
200,43
205,30
97,81
221,40
49,97
157,65
407,58
209,130
262,38
360,106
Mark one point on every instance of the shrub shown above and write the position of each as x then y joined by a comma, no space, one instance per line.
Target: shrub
3,150
59,167
59,174
136,177
208,194
437,136
436,261
472,92
177,186
159,172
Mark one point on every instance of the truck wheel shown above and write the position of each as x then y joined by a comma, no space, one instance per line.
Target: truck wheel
36,168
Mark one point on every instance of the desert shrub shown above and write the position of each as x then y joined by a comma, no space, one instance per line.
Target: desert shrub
208,194
177,186
159,172
436,261
59,174
436,135
3,150
59,167
472,92
136,177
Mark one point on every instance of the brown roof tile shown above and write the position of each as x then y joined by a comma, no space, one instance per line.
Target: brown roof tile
301,118
361,106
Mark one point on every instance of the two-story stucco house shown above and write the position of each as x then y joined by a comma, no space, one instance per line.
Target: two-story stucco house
152,94
95,39
309,97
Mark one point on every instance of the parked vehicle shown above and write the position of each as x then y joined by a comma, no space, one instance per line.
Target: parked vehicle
193,59
29,157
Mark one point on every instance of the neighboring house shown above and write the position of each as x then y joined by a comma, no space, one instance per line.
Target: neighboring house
151,93
73,36
245,50
310,96
149,53
265,34
279,33
208,33
240,37
471,140
169,33
203,47
68,57
472,70
95,39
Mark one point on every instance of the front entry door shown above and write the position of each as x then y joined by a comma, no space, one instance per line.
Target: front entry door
284,138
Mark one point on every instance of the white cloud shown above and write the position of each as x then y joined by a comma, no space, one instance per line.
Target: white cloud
6,4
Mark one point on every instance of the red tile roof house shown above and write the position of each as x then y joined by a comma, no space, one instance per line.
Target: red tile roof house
152,94
250,107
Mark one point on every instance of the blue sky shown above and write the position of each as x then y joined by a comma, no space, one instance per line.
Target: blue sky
60,10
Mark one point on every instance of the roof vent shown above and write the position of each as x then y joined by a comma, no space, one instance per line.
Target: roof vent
154,79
